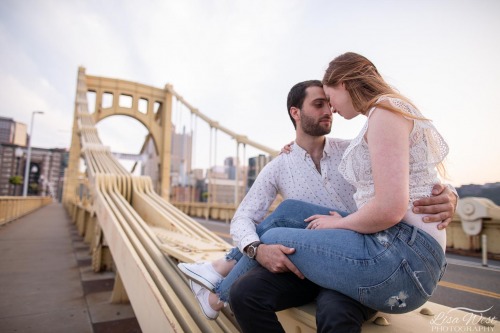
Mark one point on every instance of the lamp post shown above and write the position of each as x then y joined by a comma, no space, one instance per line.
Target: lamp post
19,153
28,158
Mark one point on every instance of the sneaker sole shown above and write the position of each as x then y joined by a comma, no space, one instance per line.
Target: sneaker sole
199,304
197,278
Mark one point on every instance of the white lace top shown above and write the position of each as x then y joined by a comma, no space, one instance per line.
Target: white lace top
427,150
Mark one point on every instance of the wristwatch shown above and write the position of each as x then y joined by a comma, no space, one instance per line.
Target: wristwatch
252,249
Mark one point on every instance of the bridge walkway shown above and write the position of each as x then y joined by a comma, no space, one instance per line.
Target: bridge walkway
47,283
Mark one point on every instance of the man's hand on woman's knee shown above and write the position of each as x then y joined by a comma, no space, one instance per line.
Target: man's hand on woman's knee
439,207
274,258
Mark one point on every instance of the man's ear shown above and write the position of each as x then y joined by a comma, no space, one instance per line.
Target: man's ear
295,113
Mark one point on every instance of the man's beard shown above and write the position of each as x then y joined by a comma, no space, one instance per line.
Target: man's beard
313,128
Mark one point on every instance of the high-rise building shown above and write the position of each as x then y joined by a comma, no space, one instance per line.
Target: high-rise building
20,134
46,173
230,167
180,161
255,165
181,158
7,127
12,132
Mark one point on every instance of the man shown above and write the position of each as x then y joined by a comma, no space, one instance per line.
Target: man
309,173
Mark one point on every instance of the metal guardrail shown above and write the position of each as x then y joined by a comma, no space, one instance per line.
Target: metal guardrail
12,208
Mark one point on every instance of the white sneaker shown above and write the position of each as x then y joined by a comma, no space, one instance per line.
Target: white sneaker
201,293
202,273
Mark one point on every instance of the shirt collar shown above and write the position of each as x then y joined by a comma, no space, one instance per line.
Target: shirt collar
327,150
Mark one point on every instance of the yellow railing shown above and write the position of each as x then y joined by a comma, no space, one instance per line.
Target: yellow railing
213,211
12,208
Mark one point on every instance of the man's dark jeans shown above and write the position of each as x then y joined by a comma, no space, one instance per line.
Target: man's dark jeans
256,296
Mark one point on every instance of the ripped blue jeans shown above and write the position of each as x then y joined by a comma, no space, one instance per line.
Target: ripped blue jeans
393,271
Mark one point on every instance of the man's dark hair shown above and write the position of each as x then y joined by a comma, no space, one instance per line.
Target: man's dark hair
297,95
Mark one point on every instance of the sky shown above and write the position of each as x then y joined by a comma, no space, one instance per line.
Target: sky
236,61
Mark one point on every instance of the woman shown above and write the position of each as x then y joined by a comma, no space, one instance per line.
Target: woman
372,255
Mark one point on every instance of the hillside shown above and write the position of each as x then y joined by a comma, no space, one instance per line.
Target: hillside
490,191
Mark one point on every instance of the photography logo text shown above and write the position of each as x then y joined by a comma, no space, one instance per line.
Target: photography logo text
455,320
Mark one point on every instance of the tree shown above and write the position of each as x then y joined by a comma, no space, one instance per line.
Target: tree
33,188
16,180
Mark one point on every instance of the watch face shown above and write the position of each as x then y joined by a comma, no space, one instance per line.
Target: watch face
251,251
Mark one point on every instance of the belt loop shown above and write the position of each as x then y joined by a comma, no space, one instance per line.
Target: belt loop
413,235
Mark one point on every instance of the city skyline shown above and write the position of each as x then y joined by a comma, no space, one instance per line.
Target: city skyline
236,61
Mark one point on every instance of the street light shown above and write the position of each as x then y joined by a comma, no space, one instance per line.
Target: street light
28,158
19,153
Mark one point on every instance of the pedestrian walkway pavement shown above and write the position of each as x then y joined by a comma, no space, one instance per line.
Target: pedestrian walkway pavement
47,283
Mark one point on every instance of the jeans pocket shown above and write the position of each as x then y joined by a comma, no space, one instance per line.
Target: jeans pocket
401,292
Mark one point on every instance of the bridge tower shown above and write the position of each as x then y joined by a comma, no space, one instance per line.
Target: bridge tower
149,105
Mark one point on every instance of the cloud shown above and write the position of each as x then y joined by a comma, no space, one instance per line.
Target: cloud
235,61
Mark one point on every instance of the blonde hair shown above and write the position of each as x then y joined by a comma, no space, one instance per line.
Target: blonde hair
365,85
363,82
